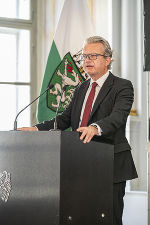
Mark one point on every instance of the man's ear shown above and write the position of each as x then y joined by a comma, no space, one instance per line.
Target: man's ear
108,60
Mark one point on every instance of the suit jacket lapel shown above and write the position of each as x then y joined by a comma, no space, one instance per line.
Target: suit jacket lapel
103,92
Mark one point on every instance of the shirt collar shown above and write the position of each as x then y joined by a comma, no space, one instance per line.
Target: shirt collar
101,80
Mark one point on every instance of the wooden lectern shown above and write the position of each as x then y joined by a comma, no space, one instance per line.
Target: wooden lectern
52,178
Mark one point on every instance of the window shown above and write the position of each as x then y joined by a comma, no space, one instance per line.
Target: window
15,57
15,9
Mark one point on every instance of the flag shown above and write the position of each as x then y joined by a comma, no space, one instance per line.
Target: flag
63,67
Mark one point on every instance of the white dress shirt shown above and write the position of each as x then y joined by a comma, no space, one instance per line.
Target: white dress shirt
100,83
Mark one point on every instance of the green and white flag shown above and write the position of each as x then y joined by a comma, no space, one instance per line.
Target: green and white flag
63,67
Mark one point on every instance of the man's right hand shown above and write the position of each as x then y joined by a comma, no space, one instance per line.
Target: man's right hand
28,129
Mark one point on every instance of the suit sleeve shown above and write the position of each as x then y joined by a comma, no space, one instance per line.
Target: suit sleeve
121,109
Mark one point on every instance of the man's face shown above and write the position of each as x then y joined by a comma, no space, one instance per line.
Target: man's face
98,67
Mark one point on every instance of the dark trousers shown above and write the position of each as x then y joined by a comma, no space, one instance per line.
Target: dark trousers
118,203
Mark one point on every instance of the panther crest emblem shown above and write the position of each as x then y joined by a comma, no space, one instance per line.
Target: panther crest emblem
69,73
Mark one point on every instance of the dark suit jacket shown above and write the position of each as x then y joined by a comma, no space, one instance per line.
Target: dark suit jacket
110,112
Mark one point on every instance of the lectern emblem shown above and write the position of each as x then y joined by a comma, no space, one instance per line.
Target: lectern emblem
5,185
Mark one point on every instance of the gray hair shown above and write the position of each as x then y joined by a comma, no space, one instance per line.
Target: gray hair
107,49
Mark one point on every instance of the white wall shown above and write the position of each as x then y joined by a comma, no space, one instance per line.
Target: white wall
135,209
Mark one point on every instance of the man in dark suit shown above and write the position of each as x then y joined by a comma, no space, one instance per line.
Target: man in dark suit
100,107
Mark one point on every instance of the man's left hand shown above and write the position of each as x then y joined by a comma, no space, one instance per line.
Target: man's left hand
87,133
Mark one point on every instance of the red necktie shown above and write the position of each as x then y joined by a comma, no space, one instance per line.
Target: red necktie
88,106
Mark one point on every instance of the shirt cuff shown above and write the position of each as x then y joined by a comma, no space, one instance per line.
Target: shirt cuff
36,127
98,127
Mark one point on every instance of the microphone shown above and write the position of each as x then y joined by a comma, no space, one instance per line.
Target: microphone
55,121
15,122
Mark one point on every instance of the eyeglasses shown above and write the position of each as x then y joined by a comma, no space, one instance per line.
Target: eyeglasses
90,56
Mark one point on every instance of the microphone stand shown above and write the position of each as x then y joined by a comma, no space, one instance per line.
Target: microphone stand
55,121
15,122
